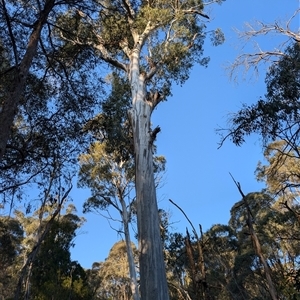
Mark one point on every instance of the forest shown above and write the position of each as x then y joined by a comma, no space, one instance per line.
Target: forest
79,84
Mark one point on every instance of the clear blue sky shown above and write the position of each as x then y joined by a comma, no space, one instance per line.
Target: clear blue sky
197,176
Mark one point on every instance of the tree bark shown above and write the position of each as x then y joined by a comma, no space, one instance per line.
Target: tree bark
11,101
153,282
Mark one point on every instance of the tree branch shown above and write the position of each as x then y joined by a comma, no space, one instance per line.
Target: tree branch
252,60
129,9
107,58
194,230
11,35
194,11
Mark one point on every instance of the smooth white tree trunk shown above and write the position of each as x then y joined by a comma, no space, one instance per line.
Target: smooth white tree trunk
153,282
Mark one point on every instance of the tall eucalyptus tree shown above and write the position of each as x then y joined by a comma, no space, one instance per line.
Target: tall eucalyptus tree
154,43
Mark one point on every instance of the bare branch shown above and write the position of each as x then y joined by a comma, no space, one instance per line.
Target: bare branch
17,185
194,230
259,56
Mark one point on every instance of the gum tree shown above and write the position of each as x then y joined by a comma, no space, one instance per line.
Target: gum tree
108,166
153,43
111,183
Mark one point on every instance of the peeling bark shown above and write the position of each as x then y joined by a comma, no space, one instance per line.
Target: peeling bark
153,282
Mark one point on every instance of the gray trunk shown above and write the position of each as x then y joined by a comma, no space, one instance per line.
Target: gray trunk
153,282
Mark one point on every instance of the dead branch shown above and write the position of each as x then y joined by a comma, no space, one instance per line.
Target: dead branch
194,230
259,56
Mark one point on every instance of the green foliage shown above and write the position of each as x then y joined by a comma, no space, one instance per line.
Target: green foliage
275,213
62,92
257,202
111,278
111,125
232,267
182,48
115,29
106,177
59,96
159,15
173,30
11,235
221,245
281,173
54,274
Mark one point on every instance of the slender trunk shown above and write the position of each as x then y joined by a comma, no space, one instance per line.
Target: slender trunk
133,280
11,101
153,282
24,273
27,283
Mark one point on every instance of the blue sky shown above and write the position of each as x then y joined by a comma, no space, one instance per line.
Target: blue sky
197,176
